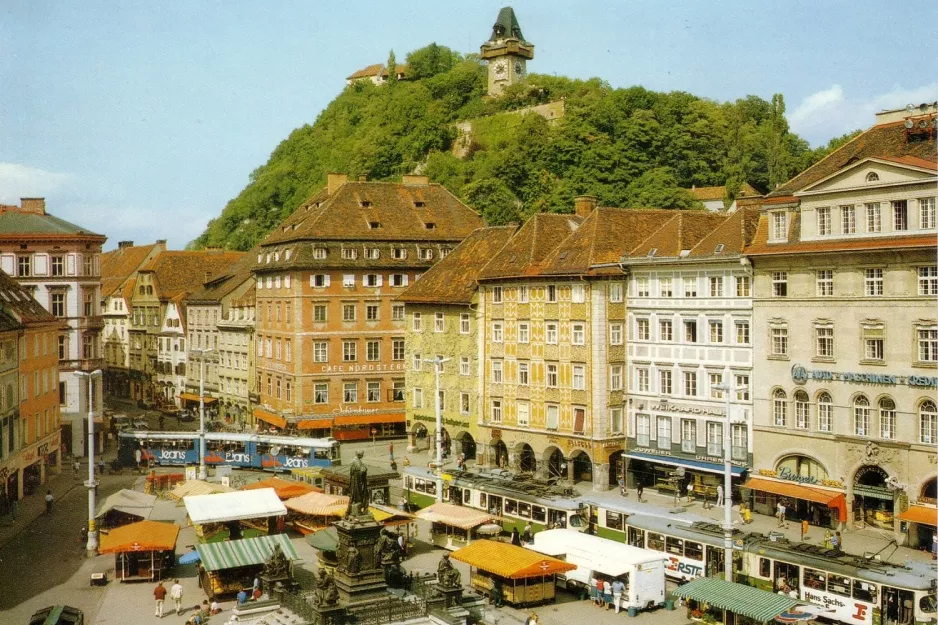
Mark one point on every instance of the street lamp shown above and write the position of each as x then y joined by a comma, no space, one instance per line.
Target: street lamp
203,473
727,483
91,484
438,367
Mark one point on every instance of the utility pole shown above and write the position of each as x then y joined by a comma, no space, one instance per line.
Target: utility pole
438,368
92,544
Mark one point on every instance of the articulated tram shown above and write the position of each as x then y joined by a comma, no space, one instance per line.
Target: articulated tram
255,451
857,591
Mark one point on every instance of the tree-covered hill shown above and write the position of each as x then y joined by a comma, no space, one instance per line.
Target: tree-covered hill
629,147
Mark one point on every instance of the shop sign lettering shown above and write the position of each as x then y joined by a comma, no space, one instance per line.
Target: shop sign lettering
845,610
800,375
684,569
339,412
652,452
788,475
295,463
172,454
577,444
397,366
715,460
688,409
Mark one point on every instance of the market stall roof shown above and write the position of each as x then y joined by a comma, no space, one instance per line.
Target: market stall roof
286,489
456,516
319,504
129,502
198,487
142,536
241,504
760,605
324,540
389,515
509,561
232,554
923,515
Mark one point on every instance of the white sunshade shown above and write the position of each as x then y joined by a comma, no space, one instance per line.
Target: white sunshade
242,504
605,556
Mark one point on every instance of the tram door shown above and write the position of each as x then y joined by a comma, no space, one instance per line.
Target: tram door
714,561
495,505
788,577
898,606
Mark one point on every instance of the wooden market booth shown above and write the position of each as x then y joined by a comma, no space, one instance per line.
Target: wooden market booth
124,507
315,511
143,551
525,576
731,603
198,487
285,489
236,515
454,527
230,566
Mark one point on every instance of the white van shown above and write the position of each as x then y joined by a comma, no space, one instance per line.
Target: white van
642,570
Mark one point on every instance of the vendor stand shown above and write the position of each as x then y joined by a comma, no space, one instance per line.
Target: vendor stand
236,515
717,600
315,511
231,566
285,489
125,507
454,527
522,576
143,551
198,487
309,475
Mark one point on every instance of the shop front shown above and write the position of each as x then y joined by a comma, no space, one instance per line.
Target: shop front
671,475
922,521
804,487
873,498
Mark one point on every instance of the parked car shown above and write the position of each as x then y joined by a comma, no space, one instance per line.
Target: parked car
186,416
58,615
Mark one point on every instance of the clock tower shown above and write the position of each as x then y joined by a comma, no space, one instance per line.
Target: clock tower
507,52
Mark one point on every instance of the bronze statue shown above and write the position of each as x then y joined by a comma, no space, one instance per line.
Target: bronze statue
326,592
354,560
446,574
387,551
358,487
276,564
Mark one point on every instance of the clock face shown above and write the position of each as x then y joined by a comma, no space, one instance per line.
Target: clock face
519,69
500,67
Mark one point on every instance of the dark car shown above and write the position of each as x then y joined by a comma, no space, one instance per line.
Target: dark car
58,615
186,416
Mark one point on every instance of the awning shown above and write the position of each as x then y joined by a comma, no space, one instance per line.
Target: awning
923,515
319,504
509,561
189,558
324,540
129,502
314,424
232,554
142,536
269,417
389,516
242,504
710,467
456,516
285,489
368,419
830,498
198,487
761,606
193,397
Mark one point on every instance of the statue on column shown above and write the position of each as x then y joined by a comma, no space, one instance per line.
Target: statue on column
358,487
446,574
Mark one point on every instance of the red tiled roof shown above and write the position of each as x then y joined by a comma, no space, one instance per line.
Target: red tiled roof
18,303
913,161
179,273
734,234
682,231
761,248
717,193
367,72
120,264
531,244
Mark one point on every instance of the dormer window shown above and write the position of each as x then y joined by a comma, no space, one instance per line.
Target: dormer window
652,252
276,256
444,252
718,249
778,226
267,258
429,225
872,177
320,253
287,254
425,253
349,253
285,228
365,203
419,204
374,225
372,253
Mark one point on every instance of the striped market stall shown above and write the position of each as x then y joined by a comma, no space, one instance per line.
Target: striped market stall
731,603
230,566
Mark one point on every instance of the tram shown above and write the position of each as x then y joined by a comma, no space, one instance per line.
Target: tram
254,451
516,502
693,550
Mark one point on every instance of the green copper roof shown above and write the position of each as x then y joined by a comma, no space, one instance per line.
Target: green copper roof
506,26
761,606
15,222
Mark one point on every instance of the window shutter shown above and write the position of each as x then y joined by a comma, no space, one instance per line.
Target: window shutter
286,281
380,279
552,418
405,279
328,281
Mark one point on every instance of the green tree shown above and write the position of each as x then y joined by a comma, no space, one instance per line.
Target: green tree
392,68
430,61
493,200
657,188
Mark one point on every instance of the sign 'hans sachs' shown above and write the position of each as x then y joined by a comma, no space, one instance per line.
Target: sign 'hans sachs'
800,375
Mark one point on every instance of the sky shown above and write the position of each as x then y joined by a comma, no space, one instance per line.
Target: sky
141,120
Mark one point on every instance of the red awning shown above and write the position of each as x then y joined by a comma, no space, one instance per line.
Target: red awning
368,419
923,515
269,417
194,397
314,424
830,498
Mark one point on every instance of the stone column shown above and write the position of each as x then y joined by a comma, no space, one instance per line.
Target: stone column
601,476
571,478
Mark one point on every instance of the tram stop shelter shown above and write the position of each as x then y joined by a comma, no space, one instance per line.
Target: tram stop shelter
454,527
285,489
731,603
198,487
523,577
124,507
236,515
143,550
230,566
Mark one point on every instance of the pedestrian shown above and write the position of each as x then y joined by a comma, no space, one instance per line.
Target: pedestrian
934,546
607,594
527,536
532,619
838,541
617,589
175,592
719,495
214,608
498,596
690,491
594,589
640,488
257,583
828,540
622,486
49,500
76,468
780,513
391,451
515,536
242,596
402,545
804,530
159,593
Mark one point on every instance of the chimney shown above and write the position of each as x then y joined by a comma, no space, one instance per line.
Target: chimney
334,181
583,205
122,244
35,205
363,178
208,276
160,243
414,179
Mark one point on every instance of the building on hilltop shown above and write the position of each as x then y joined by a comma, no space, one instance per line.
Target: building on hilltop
329,337
507,53
845,336
377,74
59,264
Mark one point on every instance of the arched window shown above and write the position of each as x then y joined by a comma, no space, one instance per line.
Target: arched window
802,410
861,416
780,408
928,422
872,177
887,418
825,413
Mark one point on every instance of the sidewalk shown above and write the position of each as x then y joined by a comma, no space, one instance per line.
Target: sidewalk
33,506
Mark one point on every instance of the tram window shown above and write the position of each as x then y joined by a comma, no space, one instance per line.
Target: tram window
694,551
483,501
839,585
815,579
636,537
539,514
928,603
466,496
675,546
408,482
524,510
431,488
864,591
613,520
322,454
655,541
511,506
576,520
420,486
765,567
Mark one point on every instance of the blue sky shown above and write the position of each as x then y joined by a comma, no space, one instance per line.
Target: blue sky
140,120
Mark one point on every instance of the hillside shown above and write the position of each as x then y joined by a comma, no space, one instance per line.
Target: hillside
629,147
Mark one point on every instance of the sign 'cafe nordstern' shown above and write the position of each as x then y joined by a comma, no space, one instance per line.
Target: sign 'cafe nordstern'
800,375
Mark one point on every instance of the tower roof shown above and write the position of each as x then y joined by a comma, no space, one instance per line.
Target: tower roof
506,26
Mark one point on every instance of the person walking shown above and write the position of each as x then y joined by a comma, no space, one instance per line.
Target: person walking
640,488
49,500
391,451
159,593
719,495
76,468
176,593
594,589
515,536
780,513
690,491
804,530
838,541
617,589
607,594
527,536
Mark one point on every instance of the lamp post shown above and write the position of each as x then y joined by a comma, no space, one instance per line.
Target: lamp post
727,483
203,473
91,484
438,368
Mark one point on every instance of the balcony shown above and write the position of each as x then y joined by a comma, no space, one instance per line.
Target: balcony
84,364
92,322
